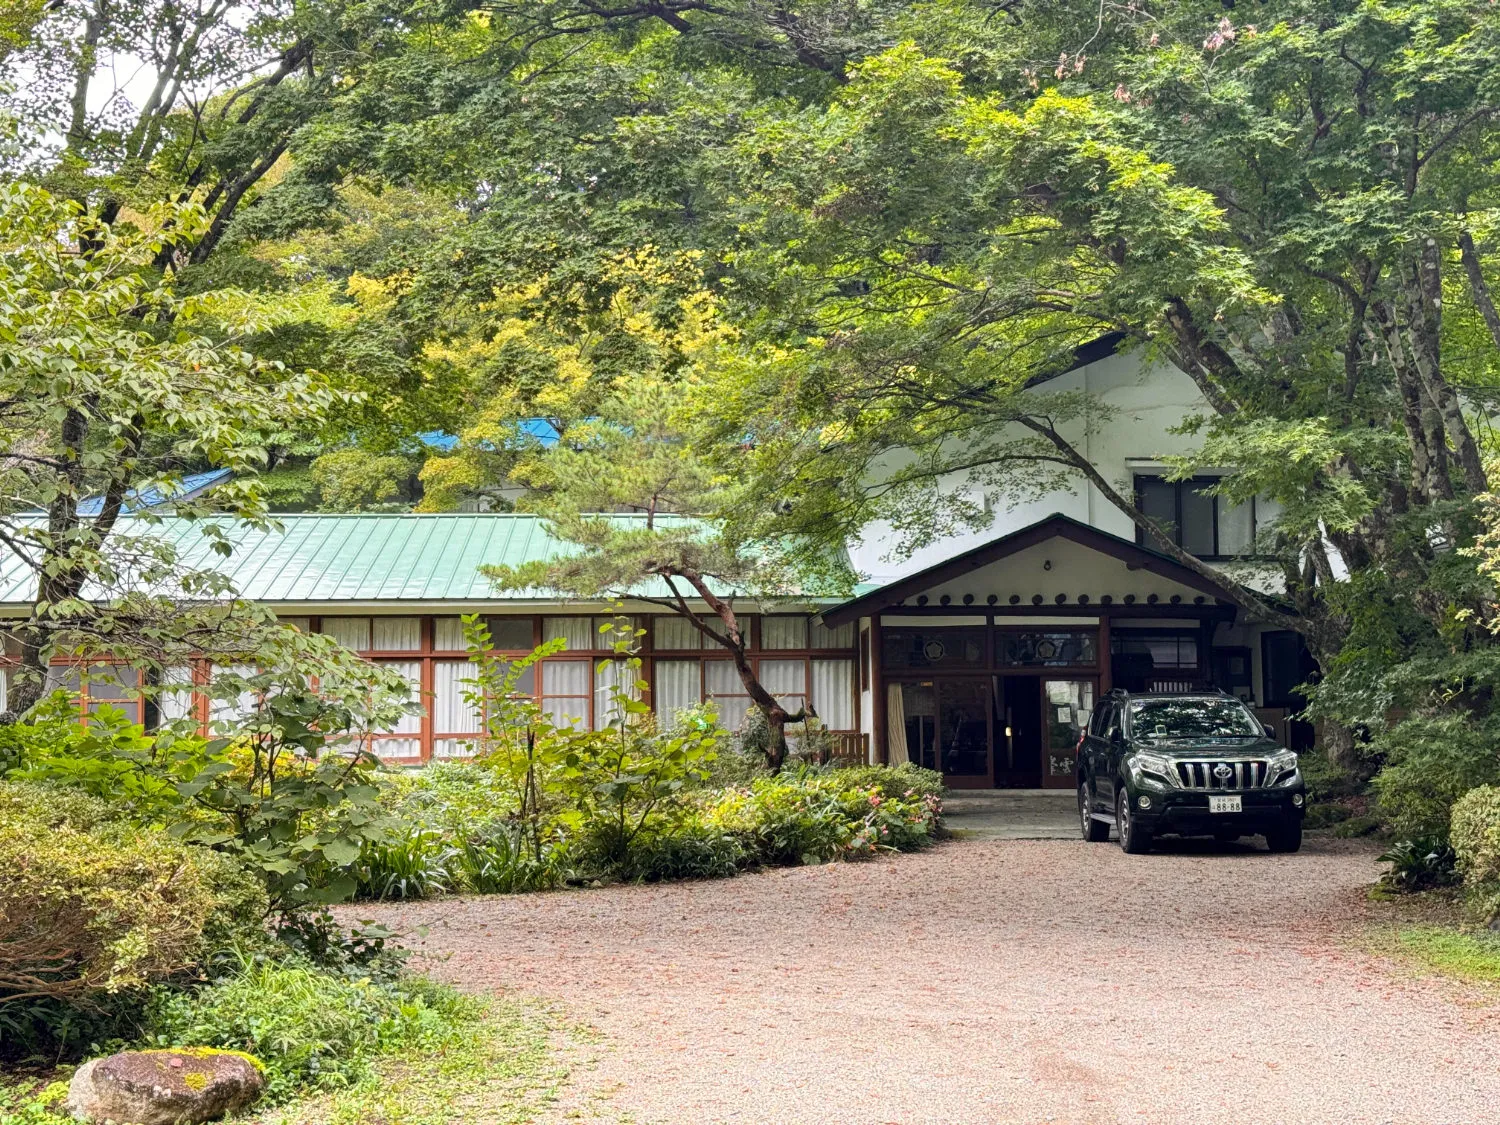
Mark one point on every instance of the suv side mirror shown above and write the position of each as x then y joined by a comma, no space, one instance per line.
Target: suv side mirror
1269,729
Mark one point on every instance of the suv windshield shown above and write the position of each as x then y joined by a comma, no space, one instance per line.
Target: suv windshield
1170,719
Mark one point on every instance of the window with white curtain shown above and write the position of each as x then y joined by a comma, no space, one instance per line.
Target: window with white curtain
174,697
566,685
411,672
679,685
351,632
783,632
787,681
397,634
611,676
301,624
824,637
243,706
451,712
833,693
448,634
578,632
728,693
675,633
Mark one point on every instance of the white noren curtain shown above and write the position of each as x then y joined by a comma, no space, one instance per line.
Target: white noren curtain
895,724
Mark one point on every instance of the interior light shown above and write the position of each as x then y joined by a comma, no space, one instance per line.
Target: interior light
1007,732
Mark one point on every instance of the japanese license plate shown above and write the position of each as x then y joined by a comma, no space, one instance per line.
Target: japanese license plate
1224,804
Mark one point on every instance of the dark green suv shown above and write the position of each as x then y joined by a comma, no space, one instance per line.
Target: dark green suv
1185,764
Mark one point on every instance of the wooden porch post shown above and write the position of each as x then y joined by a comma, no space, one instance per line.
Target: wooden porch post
877,695
1106,669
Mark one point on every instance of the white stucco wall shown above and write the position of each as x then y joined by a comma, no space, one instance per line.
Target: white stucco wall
1145,401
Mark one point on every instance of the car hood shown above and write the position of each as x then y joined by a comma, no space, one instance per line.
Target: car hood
1201,751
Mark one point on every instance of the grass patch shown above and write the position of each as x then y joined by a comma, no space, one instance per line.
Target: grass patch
499,1066
1455,953
500,1070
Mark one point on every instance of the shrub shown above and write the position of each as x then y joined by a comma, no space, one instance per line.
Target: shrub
1430,762
1475,836
815,815
692,849
92,905
1418,864
495,860
907,779
411,863
311,1028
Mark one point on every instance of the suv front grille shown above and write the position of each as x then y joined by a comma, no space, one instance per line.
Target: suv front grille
1245,774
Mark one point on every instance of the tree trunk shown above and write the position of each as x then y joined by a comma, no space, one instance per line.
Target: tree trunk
1424,299
1477,284
733,641
1339,746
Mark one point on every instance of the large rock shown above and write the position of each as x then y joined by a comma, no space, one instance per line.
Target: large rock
177,1087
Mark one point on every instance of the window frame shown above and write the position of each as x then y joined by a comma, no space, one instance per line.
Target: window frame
1191,483
430,655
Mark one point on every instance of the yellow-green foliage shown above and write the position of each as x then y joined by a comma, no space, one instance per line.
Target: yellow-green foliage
88,904
1475,836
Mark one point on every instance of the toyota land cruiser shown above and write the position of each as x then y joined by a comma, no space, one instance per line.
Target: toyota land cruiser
1185,764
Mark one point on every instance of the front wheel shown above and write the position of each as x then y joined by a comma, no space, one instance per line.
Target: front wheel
1286,838
1095,831
1133,839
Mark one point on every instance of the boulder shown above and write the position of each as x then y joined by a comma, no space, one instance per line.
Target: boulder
175,1087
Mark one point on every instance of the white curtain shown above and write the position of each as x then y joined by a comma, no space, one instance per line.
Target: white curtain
577,631
451,713
175,701
833,693
610,676
676,633
241,707
786,680
726,690
783,632
824,637
397,634
351,632
411,672
895,725
565,691
448,634
678,687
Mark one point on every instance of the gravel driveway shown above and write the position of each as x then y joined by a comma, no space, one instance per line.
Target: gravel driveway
991,982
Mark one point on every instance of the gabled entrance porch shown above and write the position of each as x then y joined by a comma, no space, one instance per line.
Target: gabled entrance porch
985,667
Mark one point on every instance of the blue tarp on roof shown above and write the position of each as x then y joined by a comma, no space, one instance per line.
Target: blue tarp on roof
539,429
190,487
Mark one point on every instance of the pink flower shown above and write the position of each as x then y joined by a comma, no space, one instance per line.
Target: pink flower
1155,38
1121,94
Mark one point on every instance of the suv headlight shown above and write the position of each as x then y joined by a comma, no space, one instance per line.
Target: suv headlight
1281,768
1155,766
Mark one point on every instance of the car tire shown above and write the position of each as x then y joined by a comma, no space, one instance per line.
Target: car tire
1095,831
1134,840
1287,838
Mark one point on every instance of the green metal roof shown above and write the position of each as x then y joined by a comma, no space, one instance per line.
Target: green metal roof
365,557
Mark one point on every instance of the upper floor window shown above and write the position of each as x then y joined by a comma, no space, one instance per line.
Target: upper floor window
1199,522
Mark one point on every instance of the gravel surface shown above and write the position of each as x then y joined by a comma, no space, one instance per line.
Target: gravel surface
991,982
